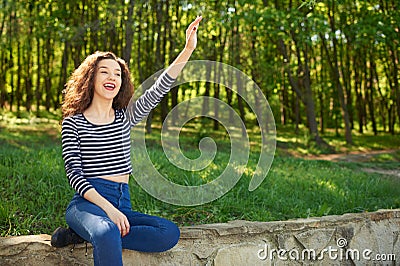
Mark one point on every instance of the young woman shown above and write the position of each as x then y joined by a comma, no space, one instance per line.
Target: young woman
96,151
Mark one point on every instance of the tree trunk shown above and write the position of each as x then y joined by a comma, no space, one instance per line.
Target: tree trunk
12,29
19,77
357,88
94,30
166,32
239,82
346,74
139,45
297,116
127,50
394,59
112,37
158,59
284,100
64,65
3,68
3,92
28,71
336,76
38,95
320,79
342,101
205,107
364,87
306,97
370,93
310,106
382,101
219,74
47,79
28,81
172,42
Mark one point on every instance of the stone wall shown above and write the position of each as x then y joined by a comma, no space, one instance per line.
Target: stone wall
350,239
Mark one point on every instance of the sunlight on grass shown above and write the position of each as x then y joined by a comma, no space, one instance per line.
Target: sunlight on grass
327,184
387,157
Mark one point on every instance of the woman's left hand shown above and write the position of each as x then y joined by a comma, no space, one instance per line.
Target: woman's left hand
191,41
191,35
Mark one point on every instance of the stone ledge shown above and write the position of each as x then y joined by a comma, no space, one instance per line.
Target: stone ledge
236,243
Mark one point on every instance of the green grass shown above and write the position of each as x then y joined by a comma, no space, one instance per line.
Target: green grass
34,190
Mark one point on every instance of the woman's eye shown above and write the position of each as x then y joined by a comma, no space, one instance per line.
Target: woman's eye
118,74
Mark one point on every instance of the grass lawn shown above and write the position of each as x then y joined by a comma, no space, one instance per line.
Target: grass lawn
35,192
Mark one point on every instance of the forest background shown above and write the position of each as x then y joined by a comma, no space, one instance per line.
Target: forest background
329,69
322,64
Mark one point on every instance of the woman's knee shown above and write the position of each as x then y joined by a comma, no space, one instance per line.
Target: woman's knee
171,235
105,231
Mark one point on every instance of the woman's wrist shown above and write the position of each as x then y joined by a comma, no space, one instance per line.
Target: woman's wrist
188,50
93,196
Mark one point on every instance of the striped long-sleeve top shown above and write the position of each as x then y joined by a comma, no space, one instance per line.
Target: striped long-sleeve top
92,151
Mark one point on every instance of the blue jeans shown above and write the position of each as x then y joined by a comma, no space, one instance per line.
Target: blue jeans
147,233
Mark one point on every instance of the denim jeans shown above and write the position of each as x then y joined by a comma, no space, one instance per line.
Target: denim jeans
147,233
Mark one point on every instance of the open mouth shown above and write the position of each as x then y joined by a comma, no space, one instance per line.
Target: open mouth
109,86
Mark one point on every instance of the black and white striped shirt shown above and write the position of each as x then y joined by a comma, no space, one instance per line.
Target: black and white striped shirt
92,151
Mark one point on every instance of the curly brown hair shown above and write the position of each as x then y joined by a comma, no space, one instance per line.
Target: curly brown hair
79,89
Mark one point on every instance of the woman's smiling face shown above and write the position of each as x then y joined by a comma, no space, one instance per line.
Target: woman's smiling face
107,80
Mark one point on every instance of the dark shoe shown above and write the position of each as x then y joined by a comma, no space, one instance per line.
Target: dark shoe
62,237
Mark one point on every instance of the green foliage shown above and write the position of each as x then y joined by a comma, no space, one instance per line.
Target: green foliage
43,42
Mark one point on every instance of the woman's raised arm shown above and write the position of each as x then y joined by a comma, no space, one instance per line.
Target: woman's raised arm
191,41
151,97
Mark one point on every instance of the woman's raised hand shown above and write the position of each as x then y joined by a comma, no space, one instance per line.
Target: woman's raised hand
191,41
191,34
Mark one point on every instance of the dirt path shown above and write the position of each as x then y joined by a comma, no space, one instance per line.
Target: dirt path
395,173
359,157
